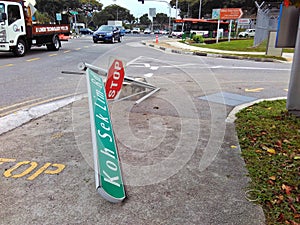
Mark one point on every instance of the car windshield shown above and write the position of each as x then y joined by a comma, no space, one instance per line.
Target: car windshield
106,28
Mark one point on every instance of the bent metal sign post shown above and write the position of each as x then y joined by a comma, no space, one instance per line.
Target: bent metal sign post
109,182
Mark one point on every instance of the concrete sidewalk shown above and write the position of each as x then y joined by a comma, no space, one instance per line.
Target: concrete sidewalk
170,44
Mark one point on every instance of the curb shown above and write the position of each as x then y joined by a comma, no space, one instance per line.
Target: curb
232,115
216,55
14,120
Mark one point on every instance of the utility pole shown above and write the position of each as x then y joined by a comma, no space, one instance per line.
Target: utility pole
293,99
200,4
176,9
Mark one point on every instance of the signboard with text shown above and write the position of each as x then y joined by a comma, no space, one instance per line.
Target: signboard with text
227,14
109,182
115,78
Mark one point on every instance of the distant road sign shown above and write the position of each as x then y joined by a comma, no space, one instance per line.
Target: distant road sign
115,78
231,13
227,13
58,17
73,12
244,21
152,12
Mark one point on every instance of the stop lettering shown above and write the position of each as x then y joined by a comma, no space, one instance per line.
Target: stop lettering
115,78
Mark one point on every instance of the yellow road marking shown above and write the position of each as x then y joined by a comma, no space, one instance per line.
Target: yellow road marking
254,90
4,160
39,171
33,59
86,46
7,65
67,51
18,104
35,104
53,55
8,173
286,90
77,49
60,167
24,168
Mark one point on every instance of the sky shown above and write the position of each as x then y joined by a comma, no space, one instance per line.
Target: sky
138,9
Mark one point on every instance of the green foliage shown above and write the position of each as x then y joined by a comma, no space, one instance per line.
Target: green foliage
42,18
269,139
161,19
144,19
198,38
112,12
55,6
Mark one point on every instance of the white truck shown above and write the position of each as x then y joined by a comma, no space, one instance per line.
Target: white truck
18,33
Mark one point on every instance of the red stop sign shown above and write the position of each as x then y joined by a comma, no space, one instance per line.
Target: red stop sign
115,78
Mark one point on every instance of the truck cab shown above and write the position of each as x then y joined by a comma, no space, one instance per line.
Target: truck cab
12,26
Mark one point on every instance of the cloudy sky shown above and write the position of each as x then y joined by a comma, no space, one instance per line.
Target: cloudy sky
138,9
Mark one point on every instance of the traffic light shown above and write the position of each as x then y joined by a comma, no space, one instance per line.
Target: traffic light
141,1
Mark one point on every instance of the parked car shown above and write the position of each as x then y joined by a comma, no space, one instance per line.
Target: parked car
107,33
127,31
147,31
122,30
247,33
164,32
177,34
136,30
85,31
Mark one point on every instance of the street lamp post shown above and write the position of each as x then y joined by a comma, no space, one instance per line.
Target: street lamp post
200,3
176,9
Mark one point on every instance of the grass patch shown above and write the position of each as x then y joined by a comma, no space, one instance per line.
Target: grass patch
244,45
269,139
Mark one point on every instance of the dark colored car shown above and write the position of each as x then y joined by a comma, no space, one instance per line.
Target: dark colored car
85,31
107,33
122,30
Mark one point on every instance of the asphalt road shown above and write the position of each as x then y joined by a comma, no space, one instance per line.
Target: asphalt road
43,75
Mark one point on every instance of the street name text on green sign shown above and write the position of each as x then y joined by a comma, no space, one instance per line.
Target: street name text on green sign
109,182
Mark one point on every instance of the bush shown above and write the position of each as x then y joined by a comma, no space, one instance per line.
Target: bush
198,38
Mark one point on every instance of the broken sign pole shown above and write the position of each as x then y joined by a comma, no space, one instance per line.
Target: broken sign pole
102,72
108,175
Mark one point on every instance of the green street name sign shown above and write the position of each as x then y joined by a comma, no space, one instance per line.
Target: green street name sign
109,182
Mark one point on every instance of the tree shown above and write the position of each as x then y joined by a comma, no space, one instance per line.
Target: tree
51,7
112,12
161,19
83,7
144,19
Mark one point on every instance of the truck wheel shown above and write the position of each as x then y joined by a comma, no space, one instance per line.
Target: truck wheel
55,45
20,49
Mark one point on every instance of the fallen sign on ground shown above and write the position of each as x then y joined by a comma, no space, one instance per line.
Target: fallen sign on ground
102,72
108,175
115,78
